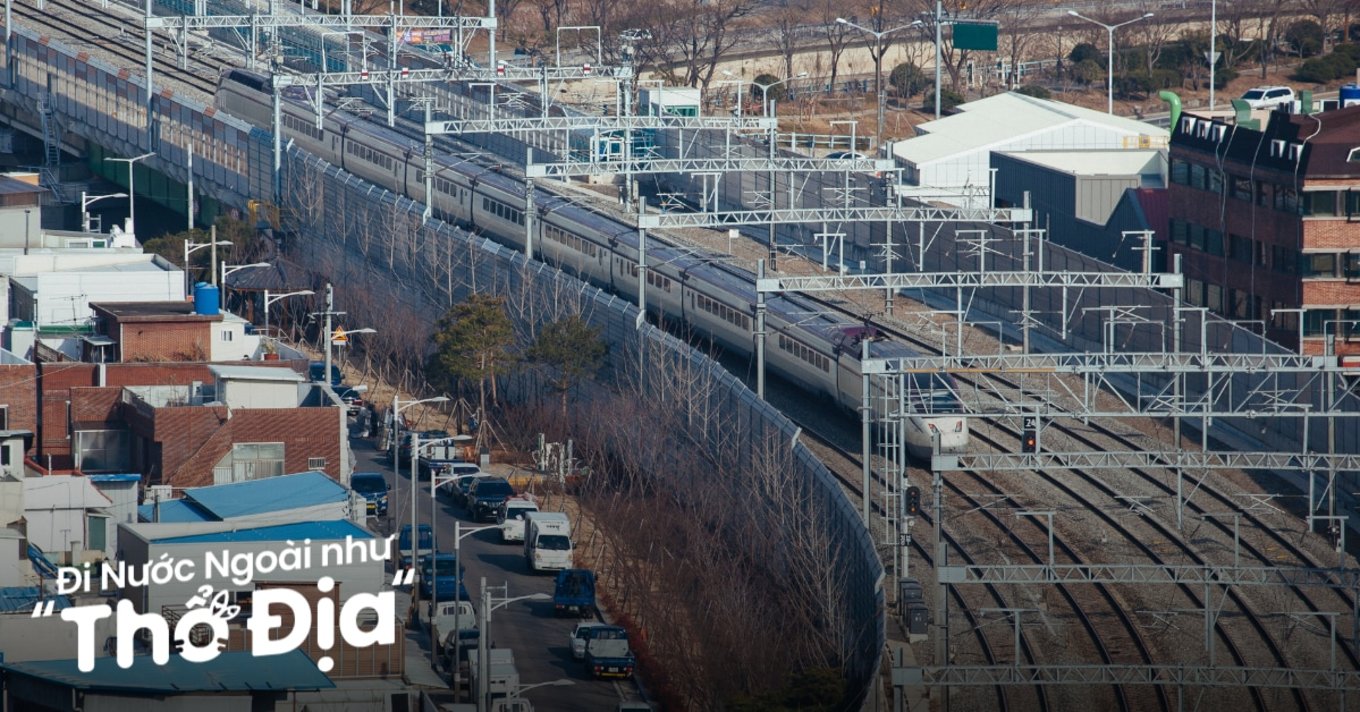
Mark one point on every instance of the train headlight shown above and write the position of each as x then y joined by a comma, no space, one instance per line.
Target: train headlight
958,426
932,427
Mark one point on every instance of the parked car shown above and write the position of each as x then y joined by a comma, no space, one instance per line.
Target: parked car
353,398
510,517
608,653
486,496
407,554
580,635
373,487
1268,97
439,575
458,492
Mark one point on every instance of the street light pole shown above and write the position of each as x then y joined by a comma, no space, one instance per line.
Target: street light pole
1109,66
879,50
85,202
228,269
277,297
132,193
939,18
483,654
191,247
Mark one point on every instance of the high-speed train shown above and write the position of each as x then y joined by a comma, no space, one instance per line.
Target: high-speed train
805,344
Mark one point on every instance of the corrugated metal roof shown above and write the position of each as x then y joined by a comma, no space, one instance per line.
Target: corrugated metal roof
316,531
174,510
270,494
20,599
257,373
987,122
229,672
1096,162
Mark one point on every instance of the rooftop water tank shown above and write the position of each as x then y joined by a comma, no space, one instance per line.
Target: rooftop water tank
206,300
1349,95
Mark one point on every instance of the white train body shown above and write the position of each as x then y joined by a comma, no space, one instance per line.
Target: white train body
805,345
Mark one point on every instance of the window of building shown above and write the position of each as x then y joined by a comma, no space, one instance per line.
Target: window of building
1197,236
1352,204
1241,188
4,417
1319,265
250,461
1180,172
1319,203
226,335
1286,199
1284,259
1194,292
1262,194
1315,320
1350,265
1239,248
1197,178
1213,294
103,450
1215,184
1213,242
316,463
1180,232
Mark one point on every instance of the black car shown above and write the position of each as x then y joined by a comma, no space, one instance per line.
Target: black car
373,487
486,496
458,492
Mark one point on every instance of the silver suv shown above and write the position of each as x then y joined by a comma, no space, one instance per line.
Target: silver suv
1268,97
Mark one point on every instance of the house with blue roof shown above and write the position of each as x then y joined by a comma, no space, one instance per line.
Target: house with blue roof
232,682
302,497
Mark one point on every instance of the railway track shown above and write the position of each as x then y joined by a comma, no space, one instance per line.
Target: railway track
83,24
1279,540
969,613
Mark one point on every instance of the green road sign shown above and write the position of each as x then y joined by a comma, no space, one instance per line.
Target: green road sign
975,35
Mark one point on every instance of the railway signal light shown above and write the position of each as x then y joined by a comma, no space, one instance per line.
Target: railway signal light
913,503
1029,441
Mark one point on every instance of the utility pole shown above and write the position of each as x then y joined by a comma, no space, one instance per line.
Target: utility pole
329,330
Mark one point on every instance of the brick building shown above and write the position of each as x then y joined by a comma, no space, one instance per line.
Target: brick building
1266,221
18,393
167,331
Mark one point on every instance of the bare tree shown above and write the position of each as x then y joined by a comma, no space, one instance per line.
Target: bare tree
690,37
837,36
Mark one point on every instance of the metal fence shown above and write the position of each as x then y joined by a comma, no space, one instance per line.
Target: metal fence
349,227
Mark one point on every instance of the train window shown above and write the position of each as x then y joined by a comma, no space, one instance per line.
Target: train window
659,281
796,348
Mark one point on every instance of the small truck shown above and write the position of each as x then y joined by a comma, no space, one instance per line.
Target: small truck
574,593
503,676
608,653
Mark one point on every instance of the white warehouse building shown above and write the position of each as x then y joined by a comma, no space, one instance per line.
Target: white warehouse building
950,158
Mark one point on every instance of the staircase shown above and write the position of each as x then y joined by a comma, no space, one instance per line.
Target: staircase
50,171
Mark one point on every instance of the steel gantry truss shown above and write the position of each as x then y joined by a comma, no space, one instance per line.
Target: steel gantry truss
513,125
835,214
706,165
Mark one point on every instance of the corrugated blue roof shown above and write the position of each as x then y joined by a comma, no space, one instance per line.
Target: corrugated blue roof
270,494
316,531
17,599
229,672
40,563
174,510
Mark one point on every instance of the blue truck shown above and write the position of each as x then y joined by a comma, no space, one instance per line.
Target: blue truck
439,577
608,653
373,487
424,544
574,593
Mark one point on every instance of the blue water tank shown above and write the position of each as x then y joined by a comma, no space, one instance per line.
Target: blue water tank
206,299
1349,95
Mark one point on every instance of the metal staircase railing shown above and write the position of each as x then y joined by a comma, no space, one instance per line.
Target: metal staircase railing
51,129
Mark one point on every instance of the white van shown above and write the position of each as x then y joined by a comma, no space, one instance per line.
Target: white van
510,517
547,541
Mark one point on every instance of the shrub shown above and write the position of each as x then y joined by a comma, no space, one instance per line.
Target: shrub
1087,71
908,79
1083,52
1038,91
1132,86
948,100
